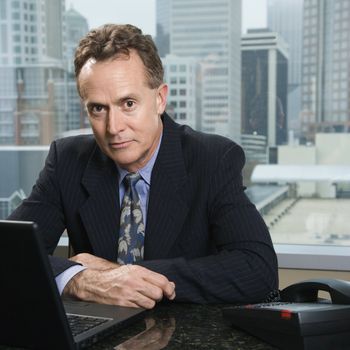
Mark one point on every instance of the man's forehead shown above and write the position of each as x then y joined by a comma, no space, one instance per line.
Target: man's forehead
87,67
132,54
97,77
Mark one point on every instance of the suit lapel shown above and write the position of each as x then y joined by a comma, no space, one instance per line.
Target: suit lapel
167,207
100,212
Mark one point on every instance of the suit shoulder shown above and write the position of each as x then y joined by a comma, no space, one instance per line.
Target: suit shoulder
210,144
80,146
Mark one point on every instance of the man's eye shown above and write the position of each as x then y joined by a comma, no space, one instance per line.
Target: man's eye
129,103
97,109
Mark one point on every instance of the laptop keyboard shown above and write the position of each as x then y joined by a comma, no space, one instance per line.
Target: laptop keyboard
79,324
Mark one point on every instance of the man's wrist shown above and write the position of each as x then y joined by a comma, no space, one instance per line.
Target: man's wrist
64,277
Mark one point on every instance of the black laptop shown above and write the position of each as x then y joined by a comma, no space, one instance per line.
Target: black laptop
32,312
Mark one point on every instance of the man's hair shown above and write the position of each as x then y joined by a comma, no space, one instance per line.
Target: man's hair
112,41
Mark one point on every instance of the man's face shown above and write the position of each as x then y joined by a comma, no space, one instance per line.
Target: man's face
124,111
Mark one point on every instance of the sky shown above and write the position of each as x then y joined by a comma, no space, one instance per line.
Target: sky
142,13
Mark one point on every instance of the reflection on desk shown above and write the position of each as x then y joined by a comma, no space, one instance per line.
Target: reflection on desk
181,326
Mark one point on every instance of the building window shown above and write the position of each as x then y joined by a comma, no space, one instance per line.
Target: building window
16,15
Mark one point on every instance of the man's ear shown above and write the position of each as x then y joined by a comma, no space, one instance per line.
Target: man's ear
162,94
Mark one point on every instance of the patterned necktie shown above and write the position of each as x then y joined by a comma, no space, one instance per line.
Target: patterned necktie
132,229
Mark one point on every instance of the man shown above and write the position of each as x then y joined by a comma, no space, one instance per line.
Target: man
194,237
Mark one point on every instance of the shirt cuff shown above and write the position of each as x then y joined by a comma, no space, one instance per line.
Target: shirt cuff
64,277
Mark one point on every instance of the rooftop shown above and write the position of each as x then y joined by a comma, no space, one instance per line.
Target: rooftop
310,221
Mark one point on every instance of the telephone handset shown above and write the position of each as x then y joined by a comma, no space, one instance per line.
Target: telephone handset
307,291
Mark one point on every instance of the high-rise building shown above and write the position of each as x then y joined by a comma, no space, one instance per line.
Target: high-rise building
210,32
181,74
20,167
163,16
325,67
76,28
286,18
31,52
264,86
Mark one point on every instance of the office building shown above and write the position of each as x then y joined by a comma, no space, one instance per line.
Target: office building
285,17
255,148
210,32
325,67
264,86
76,28
9,204
20,167
181,73
31,61
163,16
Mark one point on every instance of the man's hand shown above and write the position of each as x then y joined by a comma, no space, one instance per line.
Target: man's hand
94,262
125,285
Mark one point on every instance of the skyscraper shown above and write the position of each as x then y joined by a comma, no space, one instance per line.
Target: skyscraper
285,17
325,67
210,32
264,86
76,28
181,73
31,55
162,39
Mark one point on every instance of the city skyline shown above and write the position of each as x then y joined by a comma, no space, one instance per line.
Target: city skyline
142,13
39,102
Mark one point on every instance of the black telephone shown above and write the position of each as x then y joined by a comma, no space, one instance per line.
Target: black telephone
300,320
307,291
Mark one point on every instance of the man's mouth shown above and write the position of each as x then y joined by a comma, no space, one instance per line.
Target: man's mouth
120,144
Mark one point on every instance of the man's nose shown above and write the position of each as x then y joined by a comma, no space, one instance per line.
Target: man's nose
115,122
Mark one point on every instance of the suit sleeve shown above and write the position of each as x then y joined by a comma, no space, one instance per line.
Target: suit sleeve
244,269
43,206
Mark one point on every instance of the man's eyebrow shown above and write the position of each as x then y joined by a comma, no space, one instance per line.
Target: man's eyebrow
127,97
92,104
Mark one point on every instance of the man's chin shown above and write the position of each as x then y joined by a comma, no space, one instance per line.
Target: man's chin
128,164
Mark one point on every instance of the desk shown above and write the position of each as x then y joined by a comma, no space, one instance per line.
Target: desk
181,326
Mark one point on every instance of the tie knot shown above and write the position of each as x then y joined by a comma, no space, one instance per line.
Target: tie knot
131,179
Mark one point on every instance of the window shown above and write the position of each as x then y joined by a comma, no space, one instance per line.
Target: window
15,4
15,15
206,62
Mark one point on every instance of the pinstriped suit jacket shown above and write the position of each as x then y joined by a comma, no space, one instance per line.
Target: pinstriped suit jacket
202,231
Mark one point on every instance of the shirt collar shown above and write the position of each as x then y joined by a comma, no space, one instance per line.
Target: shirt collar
145,171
